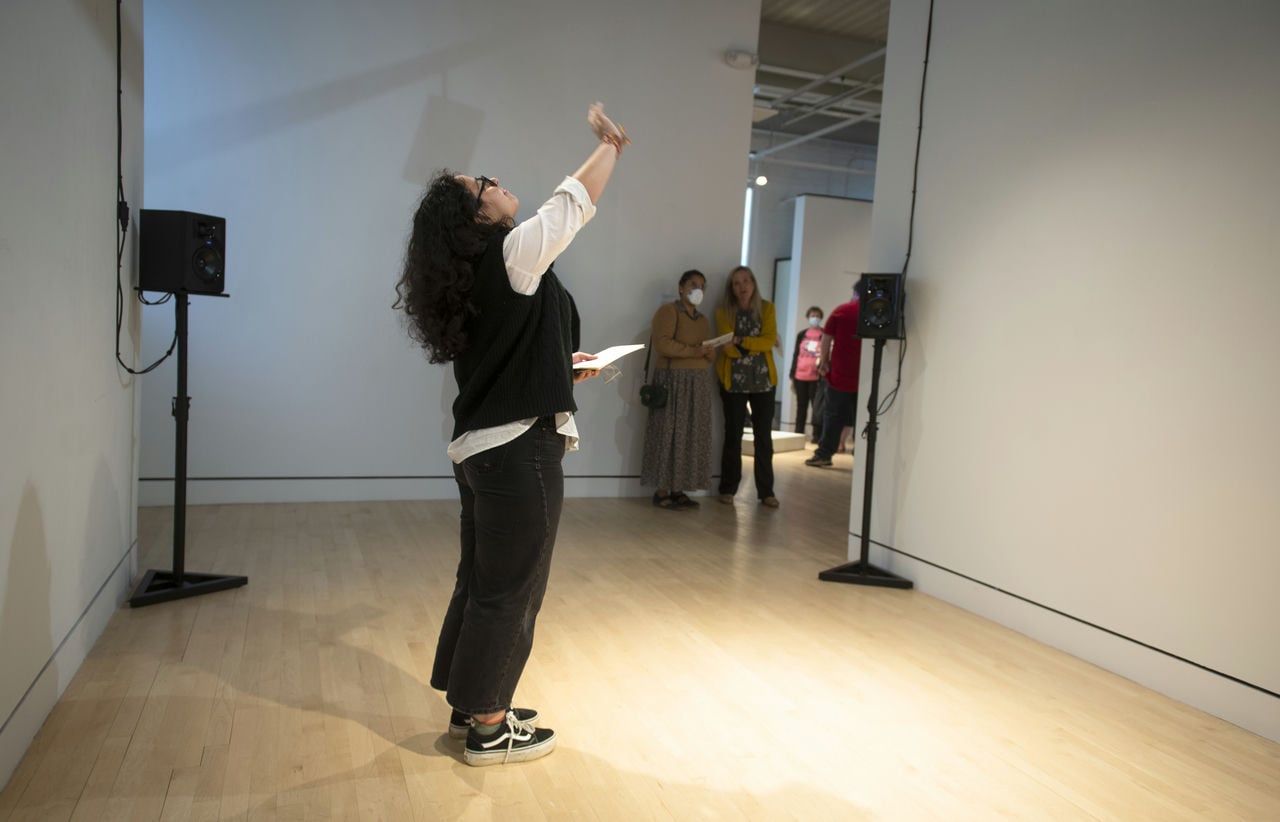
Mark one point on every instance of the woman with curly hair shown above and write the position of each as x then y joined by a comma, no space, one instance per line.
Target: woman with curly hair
480,293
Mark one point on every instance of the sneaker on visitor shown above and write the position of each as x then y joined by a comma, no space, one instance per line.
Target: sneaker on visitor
513,741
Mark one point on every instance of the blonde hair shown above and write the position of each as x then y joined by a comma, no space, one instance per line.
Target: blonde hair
730,301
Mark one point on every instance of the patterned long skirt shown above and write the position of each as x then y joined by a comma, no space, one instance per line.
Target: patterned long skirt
677,440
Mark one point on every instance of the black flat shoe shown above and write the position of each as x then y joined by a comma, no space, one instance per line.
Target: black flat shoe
667,501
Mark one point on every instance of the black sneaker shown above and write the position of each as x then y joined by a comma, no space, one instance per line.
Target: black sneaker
460,723
819,462
514,741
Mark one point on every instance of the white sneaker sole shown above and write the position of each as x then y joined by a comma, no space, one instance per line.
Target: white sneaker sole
498,757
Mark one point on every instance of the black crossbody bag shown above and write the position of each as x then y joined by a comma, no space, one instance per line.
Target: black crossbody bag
652,395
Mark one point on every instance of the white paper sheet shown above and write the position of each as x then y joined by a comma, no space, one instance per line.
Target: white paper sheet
607,356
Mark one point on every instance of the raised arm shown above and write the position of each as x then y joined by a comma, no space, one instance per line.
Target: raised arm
595,172
531,246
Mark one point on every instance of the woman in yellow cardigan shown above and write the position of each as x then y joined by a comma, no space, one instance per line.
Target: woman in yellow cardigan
747,376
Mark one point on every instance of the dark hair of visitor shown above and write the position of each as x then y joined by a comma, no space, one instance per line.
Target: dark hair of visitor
689,275
813,309
448,238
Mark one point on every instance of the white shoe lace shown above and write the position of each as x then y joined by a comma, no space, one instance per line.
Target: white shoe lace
515,724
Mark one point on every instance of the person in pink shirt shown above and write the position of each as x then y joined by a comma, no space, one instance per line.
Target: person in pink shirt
806,382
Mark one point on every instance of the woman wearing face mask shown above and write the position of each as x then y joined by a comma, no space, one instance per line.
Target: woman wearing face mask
677,440
804,372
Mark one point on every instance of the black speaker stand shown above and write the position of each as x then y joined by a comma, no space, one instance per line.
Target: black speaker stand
863,572
163,586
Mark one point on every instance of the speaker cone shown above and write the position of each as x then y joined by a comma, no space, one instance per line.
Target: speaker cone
207,263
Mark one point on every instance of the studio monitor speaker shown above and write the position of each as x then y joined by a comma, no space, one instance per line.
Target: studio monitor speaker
182,251
880,307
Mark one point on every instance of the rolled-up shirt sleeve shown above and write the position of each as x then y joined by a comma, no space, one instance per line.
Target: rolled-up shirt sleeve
531,247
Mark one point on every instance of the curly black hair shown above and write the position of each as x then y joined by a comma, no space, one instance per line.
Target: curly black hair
449,237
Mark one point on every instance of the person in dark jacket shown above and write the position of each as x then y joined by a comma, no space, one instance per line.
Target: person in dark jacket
480,293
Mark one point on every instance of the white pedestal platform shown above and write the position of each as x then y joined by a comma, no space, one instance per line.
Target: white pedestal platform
782,441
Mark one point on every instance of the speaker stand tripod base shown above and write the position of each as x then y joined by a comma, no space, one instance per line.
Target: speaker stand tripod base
861,571
165,586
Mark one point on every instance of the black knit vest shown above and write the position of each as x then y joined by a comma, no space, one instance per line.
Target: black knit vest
519,355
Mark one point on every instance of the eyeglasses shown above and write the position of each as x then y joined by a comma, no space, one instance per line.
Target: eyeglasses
484,183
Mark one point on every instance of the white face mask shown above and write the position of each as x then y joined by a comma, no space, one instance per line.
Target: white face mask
694,297
814,322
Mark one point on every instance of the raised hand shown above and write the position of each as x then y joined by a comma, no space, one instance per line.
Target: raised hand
604,128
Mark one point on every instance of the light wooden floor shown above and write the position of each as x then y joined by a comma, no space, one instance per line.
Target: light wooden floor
692,664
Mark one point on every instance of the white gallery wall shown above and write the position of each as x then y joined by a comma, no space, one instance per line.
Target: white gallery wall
830,251
312,130
67,424
1087,417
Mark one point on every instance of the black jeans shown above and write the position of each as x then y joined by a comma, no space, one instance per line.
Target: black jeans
838,414
511,501
735,418
806,392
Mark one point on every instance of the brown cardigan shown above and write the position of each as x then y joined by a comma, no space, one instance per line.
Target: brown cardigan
677,338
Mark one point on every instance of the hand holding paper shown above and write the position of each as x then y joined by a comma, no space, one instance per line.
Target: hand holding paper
606,357
716,342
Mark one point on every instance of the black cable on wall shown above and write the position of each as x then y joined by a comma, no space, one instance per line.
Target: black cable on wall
122,215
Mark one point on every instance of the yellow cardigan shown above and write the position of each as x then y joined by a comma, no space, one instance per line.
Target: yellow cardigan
756,345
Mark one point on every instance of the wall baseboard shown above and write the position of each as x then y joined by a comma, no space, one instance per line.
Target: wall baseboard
352,489
1210,692
27,717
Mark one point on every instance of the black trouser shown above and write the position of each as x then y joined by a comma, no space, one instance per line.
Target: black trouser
819,408
735,418
511,500
806,392
839,413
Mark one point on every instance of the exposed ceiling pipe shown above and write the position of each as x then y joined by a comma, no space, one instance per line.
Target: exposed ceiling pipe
801,74
756,155
822,106
861,61
849,107
819,166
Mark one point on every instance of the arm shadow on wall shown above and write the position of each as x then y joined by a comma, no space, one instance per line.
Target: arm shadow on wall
223,129
26,640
